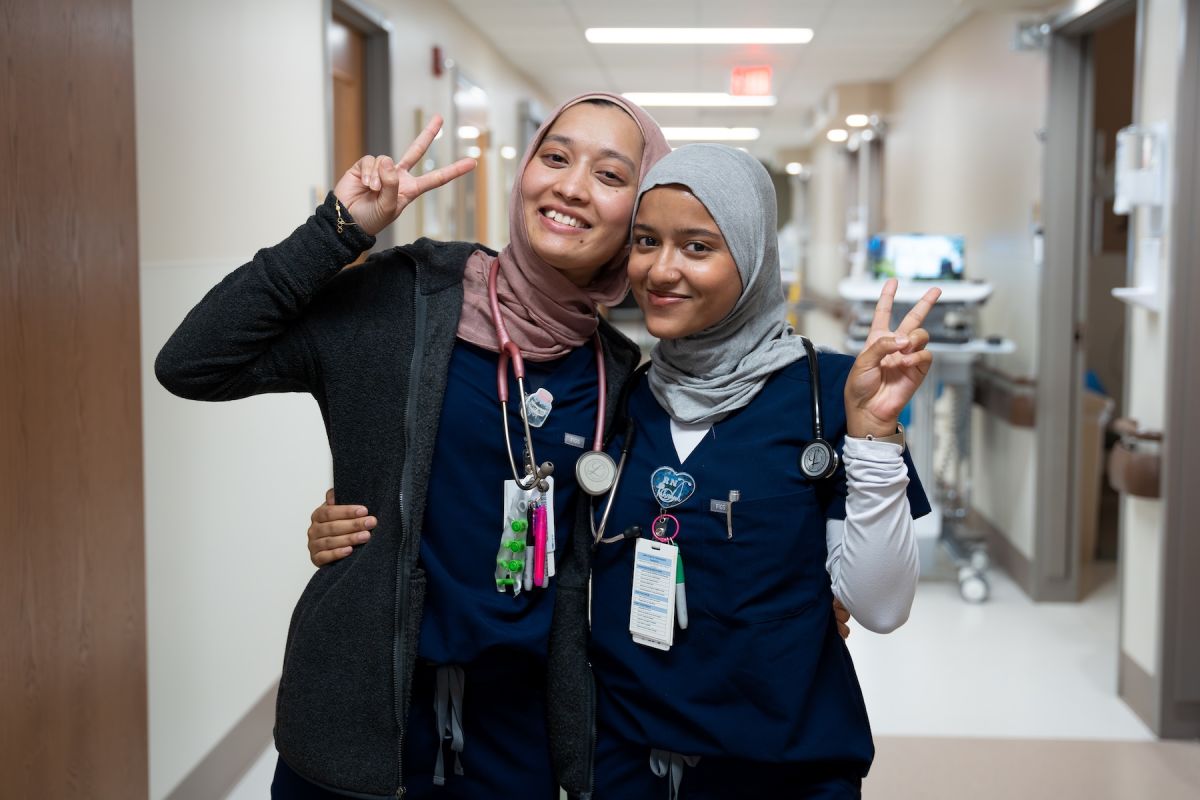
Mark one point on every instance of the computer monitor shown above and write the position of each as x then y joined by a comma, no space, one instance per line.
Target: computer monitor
916,257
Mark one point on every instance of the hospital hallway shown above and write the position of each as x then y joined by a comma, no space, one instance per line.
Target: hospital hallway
176,184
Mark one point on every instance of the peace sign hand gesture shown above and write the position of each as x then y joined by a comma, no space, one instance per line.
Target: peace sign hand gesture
890,368
376,189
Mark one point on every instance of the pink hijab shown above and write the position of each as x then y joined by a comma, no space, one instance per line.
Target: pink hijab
547,315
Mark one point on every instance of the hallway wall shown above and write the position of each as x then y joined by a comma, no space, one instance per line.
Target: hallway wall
963,157
1142,520
231,151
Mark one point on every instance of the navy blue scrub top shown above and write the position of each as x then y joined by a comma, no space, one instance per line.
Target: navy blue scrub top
464,615
761,672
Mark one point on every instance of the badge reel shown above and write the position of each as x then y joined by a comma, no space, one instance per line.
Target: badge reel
658,599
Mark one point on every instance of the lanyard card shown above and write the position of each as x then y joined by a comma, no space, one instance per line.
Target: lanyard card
652,606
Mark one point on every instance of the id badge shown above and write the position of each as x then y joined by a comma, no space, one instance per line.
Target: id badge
652,604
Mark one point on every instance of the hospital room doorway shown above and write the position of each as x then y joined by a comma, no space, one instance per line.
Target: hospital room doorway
1113,49
1083,359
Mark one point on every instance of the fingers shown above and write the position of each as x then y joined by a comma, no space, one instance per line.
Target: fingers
365,168
341,527
442,176
329,513
840,611
379,174
913,319
921,360
329,498
843,618
332,548
882,321
334,540
917,340
389,180
880,351
416,150
324,554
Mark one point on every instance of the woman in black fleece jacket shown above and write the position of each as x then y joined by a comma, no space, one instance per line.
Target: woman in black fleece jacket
384,348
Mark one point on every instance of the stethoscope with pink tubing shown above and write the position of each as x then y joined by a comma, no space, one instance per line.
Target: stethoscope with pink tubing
595,470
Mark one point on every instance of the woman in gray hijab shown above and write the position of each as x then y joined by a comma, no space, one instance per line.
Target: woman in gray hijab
737,675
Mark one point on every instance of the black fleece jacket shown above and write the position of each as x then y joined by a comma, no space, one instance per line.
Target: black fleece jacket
372,344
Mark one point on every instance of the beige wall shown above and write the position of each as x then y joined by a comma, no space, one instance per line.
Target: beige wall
232,151
1142,520
827,263
421,24
963,157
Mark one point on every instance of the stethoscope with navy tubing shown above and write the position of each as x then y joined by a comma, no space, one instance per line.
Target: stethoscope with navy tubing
818,459
594,470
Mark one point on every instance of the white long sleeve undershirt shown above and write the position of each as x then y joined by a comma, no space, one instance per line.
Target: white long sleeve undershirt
872,554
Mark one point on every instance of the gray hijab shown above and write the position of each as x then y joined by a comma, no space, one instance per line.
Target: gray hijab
709,375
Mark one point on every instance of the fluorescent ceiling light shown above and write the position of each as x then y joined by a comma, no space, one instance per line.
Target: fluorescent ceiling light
837,135
695,99
711,134
468,132
474,152
857,120
699,35
508,152
794,168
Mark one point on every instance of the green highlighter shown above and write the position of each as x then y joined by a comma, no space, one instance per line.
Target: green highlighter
680,595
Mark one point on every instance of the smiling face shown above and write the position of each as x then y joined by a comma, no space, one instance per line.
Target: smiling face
579,187
684,278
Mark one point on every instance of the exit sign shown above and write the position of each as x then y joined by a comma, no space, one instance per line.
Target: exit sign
751,81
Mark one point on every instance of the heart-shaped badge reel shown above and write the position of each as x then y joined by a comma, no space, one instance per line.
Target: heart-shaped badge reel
671,488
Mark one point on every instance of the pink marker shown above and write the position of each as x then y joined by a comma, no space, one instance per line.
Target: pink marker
539,544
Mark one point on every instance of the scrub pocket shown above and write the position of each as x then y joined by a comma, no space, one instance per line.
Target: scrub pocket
772,568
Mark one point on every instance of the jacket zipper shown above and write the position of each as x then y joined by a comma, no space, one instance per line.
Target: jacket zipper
591,761
405,524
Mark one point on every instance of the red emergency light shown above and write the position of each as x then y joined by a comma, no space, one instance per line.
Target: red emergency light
752,81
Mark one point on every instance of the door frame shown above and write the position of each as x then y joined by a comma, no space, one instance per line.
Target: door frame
1168,701
377,75
1055,573
1178,690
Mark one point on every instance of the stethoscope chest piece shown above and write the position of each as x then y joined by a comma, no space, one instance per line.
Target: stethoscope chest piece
818,460
596,472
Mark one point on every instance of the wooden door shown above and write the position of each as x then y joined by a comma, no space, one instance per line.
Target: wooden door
72,574
347,59
347,51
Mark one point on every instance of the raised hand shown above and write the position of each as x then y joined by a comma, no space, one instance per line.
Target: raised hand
376,189
890,368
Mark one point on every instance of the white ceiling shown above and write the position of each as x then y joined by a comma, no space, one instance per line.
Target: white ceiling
854,40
